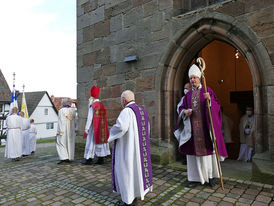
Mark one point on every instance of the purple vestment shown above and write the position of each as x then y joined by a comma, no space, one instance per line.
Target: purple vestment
144,145
189,148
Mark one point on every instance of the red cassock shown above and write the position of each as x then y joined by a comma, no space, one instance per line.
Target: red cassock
100,126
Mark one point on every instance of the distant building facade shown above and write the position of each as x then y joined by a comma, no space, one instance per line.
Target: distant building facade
147,46
43,111
5,96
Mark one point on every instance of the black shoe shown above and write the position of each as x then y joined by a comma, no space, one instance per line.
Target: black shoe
193,184
61,162
211,182
32,152
100,161
24,155
87,162
121,203
134,203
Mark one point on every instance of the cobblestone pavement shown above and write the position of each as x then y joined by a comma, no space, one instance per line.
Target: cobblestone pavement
38,180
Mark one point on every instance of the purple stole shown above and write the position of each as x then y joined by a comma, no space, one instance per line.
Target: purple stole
144,145
197,124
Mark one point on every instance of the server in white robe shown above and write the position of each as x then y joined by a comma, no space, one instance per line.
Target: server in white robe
131,163
32,135
247,135
96,130
65,139
14,124
25,135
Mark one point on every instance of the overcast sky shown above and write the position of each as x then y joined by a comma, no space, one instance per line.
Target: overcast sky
38,43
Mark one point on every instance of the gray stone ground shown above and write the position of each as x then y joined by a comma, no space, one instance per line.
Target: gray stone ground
38,180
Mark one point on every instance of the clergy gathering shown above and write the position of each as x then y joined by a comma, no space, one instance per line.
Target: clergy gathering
173,105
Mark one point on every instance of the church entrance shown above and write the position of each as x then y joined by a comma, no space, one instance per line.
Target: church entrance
228,74
235,70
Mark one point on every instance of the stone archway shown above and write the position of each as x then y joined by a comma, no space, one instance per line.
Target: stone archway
188,42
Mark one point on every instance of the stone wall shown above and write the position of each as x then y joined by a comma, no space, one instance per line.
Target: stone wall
110,30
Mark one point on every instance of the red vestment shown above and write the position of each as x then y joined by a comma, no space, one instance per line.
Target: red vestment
100,126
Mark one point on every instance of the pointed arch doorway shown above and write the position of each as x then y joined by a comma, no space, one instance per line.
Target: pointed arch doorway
188,44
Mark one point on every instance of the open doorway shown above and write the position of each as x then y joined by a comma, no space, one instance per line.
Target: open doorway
228,74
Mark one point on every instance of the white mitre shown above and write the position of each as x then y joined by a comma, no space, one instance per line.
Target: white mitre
194,70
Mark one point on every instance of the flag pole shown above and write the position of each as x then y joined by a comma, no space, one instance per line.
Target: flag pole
202,67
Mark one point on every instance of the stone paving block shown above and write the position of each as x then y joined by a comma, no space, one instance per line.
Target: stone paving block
203,195
252,192
47,202
258,184
228,199
244,200
192,204
250,197
197,200
209,203
232,195
208,190
218,195
9,203
194,191
266,194
31,199
268,186
214,199
48,197
257,203
237,191
241,204
262,198
223,203
188,196
56,204
34,203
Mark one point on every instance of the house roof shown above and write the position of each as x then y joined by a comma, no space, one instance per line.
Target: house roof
5,93
33,99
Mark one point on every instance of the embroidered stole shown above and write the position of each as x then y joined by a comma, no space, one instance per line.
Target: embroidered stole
144,145
101,133
197,124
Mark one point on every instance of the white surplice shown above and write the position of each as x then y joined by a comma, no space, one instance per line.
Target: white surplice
25,137
65,140
14,136
199,168
32,135
128,169
92,149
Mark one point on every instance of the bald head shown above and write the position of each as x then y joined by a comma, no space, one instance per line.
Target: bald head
126,97
65,102
14,110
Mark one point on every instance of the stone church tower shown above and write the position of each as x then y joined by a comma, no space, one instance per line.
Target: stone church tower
148,45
